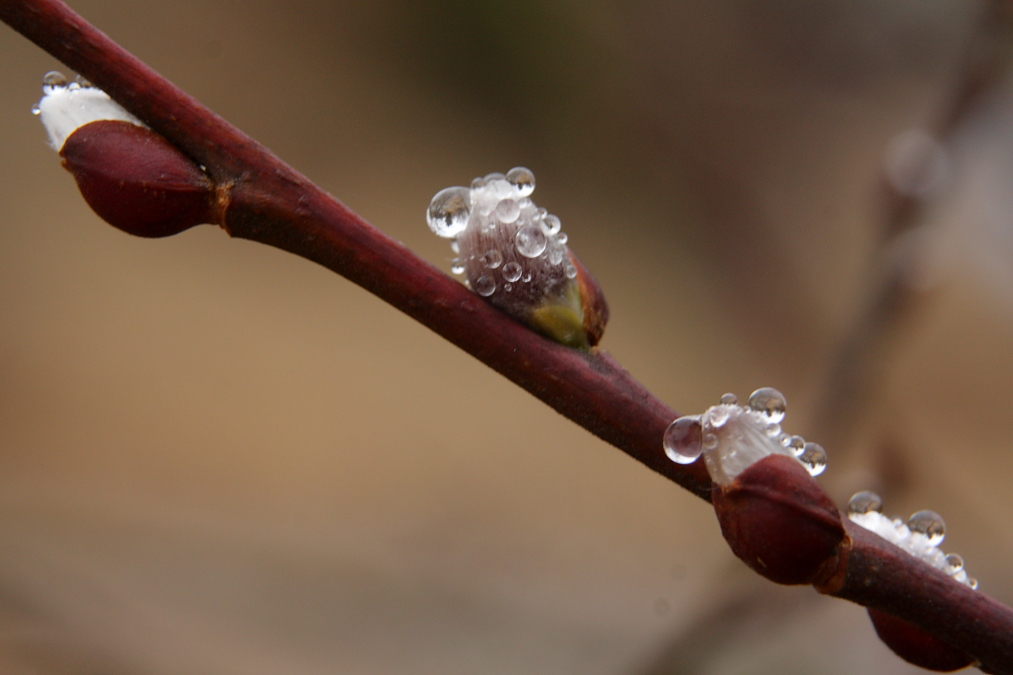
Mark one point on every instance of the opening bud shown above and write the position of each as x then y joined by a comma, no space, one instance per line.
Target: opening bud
780,522
133,178
514,254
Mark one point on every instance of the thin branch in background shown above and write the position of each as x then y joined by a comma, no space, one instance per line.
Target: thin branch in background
262,199
916,165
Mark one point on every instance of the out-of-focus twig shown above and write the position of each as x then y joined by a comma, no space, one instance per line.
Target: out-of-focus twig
914,167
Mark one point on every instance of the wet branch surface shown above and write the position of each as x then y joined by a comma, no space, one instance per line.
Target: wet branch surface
262,199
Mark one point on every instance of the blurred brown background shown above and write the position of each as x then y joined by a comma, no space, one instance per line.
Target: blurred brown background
218,458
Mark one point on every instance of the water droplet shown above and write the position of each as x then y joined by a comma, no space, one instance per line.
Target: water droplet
556,256
530,241
507,211
552,224
508,287
448,212
773,429
492,258
797,444
562,238
455,247
865,502
477,183
770,402
512,271
522,179
490,177
814,458
82,81
683,442
729,399
74,85
571,271
784,438
973,583
954,563
710,441
36,110
54,78
457,266
485,286
717,416
930,524
527,277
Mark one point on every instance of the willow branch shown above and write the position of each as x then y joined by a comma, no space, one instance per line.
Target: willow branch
262,199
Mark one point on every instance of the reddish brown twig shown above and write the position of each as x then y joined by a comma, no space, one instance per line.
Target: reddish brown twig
262,199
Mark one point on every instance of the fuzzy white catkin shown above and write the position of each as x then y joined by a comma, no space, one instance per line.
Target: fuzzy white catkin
65,108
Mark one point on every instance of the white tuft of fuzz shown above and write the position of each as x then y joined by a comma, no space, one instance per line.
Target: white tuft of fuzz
918,544
732,438
65,108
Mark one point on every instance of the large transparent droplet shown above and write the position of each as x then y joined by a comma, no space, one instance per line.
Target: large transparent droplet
36,110
770,402
485,286
570,271
865,502
448,212
813,458
684,439
729,399
552,224
512,271
562,238
930,524
507,211
530,241
796,444
522,179
973,583
954,563
556,256
492,258
457,266
54,78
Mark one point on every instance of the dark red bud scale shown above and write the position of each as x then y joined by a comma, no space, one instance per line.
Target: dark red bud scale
136,180
916,646
780,522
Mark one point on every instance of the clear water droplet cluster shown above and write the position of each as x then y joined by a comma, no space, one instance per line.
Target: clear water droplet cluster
497,207
731,437
920,535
